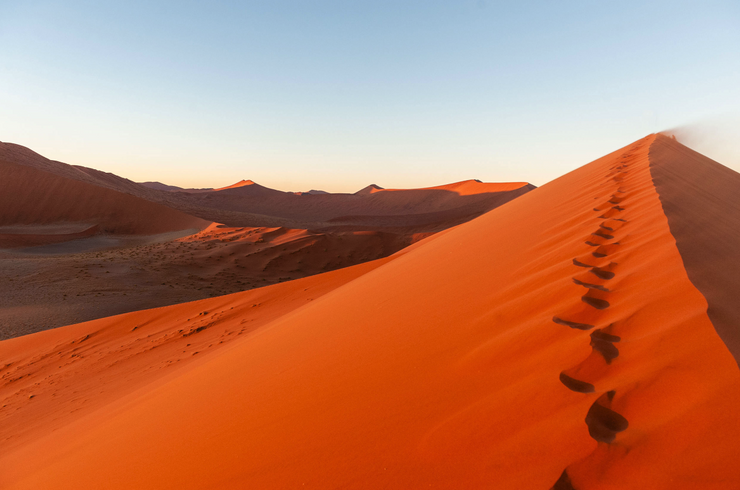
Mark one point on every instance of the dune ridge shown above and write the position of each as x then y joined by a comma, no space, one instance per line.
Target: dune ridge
78,244
47,198
554,342
247,203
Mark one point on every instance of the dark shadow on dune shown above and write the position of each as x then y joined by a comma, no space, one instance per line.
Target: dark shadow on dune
576,325
599,304
604,423
602,273
701,200
590,286
563,482
603,343
576,384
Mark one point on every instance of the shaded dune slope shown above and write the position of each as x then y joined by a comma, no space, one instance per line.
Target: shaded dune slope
555,342
246,203
20,155
701,199
430,209
30,196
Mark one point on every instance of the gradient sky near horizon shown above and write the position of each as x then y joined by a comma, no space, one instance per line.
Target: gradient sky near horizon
335,95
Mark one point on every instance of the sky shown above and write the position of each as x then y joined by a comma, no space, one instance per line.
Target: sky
335,95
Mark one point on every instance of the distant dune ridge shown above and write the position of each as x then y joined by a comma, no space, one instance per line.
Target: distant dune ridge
571,339
247,203
40,192
78,244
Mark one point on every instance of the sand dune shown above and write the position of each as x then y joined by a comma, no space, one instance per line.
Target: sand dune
123,353
247,203
399,210
78,244
53,285
33,196
555,342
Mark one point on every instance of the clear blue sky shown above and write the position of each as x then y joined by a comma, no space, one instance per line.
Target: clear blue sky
337,94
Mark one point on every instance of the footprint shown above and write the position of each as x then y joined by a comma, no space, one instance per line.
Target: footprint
598,303
603,234
605,250
612,224
576,384
612,212
590,286
563,482
580,264
604,423
576,325
603,343
603,272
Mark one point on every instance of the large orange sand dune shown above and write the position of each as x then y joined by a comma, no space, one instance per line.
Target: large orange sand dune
556,341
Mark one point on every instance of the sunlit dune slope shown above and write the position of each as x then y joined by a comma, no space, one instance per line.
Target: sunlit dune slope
52,377
555,342
32,196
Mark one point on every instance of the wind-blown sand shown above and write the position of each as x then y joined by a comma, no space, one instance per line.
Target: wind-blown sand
555,342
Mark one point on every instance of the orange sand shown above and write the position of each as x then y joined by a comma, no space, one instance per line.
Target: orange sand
557,338
464,188
241,183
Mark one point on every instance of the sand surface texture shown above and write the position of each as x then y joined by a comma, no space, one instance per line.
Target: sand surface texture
58,284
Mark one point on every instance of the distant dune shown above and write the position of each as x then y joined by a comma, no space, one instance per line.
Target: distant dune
247,203
95,276
78,244
566,340
161,187
398,210
39,192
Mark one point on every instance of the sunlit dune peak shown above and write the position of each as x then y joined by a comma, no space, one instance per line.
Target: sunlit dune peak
241,183
371,189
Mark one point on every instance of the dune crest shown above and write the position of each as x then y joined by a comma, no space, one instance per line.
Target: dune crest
241,183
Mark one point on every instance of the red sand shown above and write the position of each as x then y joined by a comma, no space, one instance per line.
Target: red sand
556,338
